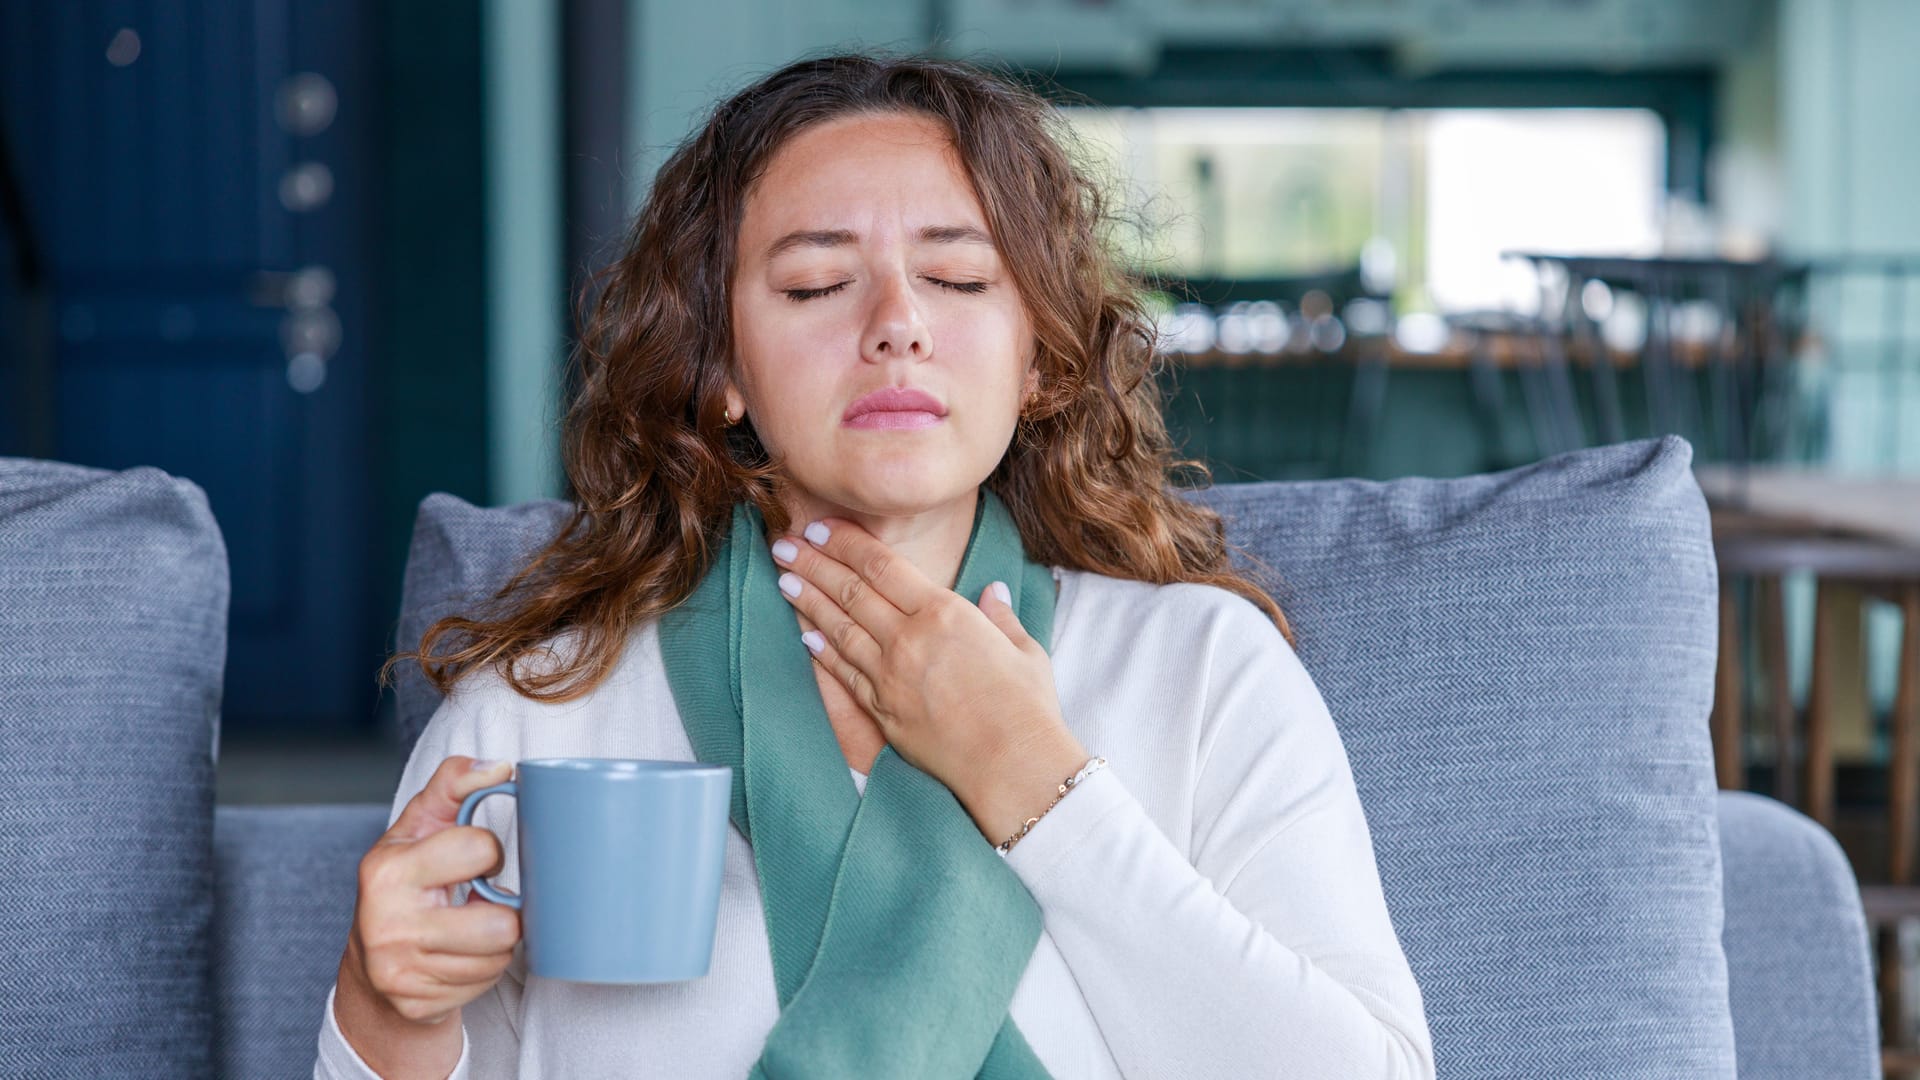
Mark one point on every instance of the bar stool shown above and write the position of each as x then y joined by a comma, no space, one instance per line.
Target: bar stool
1763,550
1753,548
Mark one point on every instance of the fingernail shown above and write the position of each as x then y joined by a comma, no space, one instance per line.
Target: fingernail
1000,590
487,764
790,584
784,550
815,641
817,532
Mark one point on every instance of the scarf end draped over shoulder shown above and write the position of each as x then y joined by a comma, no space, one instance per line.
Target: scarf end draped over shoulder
898,934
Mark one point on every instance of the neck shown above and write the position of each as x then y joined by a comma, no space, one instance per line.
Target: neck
934,539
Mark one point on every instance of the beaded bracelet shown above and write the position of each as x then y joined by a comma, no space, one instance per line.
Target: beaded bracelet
1066,785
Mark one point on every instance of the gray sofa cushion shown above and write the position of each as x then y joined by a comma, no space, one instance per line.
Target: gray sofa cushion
1799,965
460,554
285,882
113,634
1520,665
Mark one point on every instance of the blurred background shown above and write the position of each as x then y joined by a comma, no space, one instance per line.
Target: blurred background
317,257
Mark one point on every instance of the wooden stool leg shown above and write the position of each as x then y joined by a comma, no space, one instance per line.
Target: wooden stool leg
1727,762
1886,949
1818,780
1903,778
1771,620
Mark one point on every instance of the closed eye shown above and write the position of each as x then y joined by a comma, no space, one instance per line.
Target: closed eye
800,296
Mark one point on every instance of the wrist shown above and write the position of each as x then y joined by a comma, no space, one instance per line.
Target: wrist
1023,783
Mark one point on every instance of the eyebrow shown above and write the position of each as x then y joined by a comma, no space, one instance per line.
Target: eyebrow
932,234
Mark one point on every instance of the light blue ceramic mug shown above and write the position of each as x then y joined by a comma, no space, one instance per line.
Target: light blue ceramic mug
620,864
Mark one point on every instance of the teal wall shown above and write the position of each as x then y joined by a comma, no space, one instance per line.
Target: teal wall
1849,138
526,319
688,56
430,375
468,322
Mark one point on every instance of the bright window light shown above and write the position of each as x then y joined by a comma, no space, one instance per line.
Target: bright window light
1422,201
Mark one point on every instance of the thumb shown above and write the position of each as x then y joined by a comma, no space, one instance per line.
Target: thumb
436,805
1002,614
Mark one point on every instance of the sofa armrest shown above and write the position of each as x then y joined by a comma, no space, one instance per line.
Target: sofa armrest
285,879
1799,973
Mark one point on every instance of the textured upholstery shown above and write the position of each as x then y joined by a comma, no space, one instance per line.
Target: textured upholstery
1520,664
1521,668
284,884
113,620
1798,960
1795,938
460,554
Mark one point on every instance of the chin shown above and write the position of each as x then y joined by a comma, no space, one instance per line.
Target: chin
900,491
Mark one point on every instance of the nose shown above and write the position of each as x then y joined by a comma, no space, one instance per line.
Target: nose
895,327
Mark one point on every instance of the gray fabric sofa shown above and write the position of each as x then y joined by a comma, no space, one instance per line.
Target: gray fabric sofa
1520,664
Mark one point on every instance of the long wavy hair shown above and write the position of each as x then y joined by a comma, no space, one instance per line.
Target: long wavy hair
655,469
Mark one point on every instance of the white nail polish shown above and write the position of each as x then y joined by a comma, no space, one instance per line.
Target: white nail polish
785,549
818,532
790,584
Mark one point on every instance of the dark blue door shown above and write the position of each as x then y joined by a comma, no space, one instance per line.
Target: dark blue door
195,174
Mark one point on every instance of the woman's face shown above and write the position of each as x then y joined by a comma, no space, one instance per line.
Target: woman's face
864,263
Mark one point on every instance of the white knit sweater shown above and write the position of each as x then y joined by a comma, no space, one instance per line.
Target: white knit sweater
1210,899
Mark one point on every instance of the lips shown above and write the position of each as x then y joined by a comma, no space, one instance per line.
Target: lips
895,399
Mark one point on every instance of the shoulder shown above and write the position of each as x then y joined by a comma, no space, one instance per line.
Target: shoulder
1183,610
485,693
1187,629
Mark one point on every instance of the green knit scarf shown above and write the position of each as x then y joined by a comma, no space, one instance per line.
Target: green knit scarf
898,933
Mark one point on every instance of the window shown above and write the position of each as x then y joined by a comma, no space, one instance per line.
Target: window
1423,201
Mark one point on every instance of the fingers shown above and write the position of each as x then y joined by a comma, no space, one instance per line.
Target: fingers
849,551
422,956
434,807
426,960
430,985
466,971
472,929
453,855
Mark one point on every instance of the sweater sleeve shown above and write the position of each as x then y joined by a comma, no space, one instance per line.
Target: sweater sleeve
1261,945
489,1034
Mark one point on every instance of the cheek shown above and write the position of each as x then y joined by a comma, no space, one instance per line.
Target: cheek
792,395
987,352
781,353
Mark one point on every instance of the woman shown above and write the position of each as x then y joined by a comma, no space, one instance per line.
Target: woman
866,342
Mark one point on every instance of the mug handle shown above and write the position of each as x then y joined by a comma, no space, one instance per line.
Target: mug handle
465,817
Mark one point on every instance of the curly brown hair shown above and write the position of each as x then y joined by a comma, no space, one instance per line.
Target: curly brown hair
655,469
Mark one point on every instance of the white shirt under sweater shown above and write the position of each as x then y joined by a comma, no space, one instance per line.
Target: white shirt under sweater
1210,901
